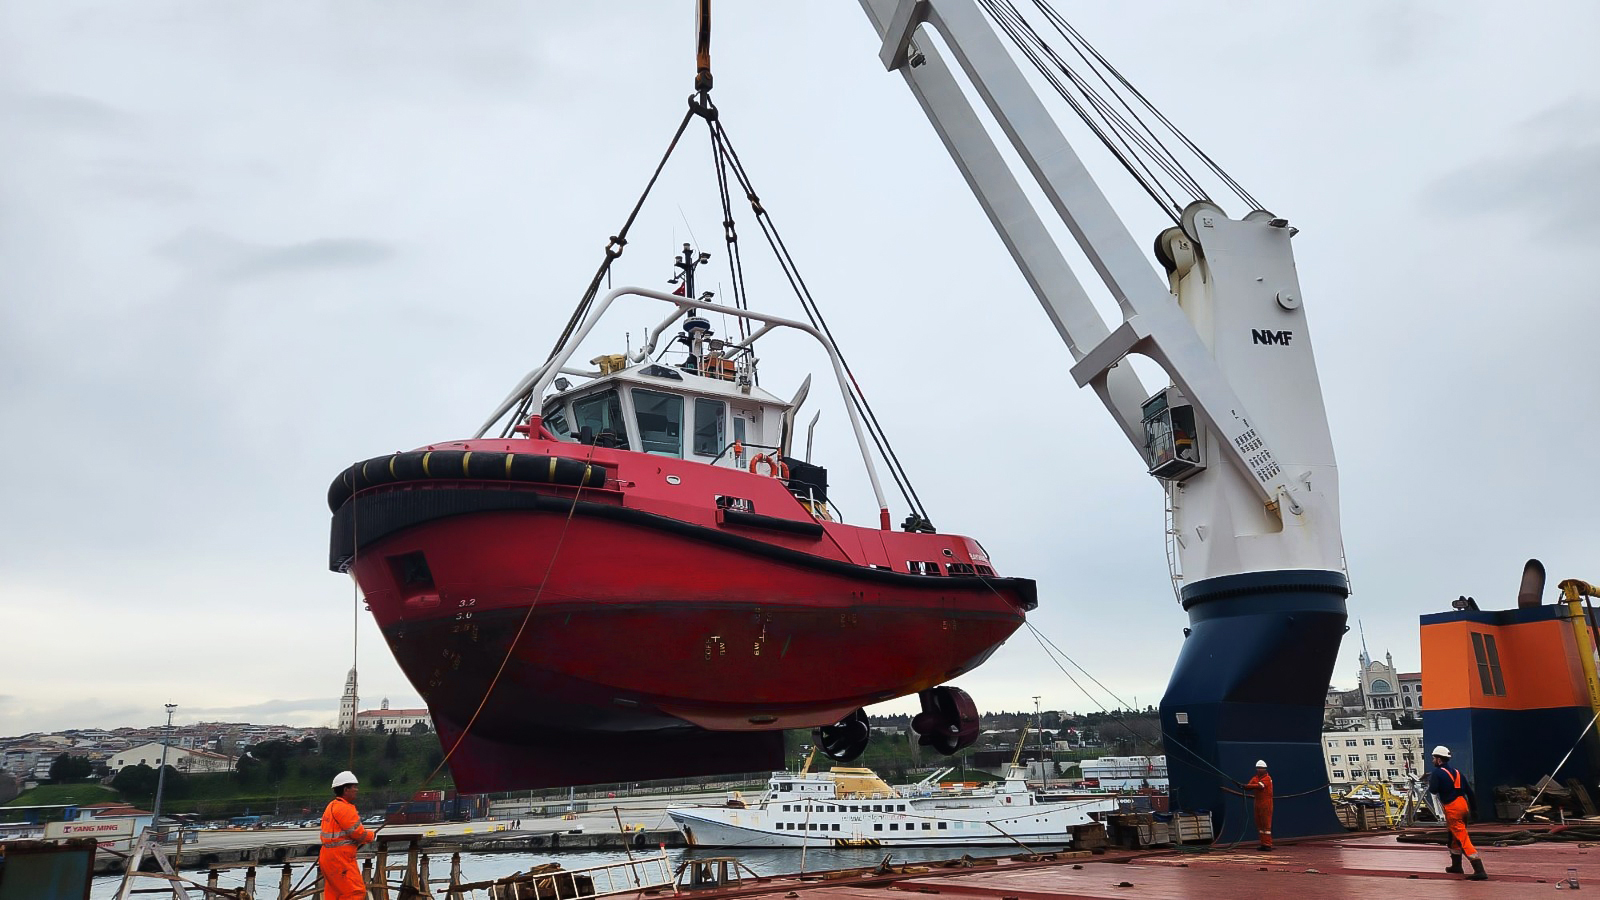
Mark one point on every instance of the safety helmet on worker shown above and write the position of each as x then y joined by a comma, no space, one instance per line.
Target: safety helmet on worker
344,778
1442,750
1261,764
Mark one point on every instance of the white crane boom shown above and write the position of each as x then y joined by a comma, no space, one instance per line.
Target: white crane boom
1259,555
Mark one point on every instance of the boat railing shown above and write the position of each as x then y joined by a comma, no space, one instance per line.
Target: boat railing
535,383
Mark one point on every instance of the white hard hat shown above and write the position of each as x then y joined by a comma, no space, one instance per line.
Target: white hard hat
1442,750
344,778
1261,764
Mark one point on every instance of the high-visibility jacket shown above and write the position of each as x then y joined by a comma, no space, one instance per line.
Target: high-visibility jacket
342,835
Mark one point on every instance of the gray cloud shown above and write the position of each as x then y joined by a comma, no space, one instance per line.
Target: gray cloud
241,248
1551,180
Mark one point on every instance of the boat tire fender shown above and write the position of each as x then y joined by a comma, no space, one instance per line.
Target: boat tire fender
462,465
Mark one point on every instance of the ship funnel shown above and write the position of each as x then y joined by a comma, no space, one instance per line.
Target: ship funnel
1532,590
789,414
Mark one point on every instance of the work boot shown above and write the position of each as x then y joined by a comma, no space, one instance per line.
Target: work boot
1477,870
1455,865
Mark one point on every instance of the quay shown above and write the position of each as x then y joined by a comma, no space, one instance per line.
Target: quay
278,845
1407,864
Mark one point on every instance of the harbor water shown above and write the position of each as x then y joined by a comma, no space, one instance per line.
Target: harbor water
484,866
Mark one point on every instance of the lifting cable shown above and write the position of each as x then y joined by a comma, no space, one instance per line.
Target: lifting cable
726,160
1129,134
614,248
813,313
1167,739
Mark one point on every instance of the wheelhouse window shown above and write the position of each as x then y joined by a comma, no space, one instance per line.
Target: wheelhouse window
555,419
710,426
660,418
601,416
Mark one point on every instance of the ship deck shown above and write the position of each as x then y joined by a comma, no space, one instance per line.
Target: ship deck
1310,869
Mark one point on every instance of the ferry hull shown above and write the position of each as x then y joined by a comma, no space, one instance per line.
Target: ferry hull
580,633
1251,683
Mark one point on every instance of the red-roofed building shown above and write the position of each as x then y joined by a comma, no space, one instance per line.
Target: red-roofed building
386,719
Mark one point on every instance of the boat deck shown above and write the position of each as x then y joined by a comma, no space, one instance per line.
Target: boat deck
1312,869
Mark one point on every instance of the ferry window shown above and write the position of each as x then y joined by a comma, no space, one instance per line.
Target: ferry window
602,414
902,807
836,826
878,826
927,826
556,420
944,826
738,428
660,419
710,418
1488,655
894,826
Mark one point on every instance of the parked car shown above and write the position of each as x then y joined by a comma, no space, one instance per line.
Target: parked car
375,820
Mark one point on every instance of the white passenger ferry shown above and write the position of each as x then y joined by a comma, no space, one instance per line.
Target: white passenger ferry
852,807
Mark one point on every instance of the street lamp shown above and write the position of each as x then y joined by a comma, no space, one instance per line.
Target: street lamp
161,773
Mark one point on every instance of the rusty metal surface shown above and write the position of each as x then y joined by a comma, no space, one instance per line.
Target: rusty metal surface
1369,865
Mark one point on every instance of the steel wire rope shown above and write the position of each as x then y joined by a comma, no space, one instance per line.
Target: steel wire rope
1071,33
814,314
1151,186
1148,141
1028,40
614,249
1165,735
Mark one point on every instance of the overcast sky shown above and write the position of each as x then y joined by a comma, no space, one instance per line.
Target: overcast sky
245,244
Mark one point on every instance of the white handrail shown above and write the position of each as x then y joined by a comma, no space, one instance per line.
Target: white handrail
536,382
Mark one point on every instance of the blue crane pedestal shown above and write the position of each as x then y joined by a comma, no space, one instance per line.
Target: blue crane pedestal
1251,683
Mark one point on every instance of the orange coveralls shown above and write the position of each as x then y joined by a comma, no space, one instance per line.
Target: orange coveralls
1261,788
1455,817
342,834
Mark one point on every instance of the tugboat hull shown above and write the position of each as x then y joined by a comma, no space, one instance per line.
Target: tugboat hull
557,631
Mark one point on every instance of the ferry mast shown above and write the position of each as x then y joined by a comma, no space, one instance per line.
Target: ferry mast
1239,438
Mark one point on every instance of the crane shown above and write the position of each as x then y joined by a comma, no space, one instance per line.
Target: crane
1238,437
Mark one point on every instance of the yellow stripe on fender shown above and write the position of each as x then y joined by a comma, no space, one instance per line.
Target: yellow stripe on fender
586,470
425,457
464,458
391,467
509,457
552,477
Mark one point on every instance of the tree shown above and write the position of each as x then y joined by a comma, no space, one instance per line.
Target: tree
391,747
420,728
68,768
141,780
9,788
135,781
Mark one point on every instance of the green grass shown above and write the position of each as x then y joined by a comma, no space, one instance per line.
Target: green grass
56,794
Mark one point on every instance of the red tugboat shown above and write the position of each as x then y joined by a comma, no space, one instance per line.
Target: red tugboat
644,557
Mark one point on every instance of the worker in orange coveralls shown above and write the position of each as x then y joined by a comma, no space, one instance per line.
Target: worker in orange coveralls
342,834
1260,788
1446,783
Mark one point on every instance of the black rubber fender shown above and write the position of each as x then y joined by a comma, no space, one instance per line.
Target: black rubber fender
462,465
